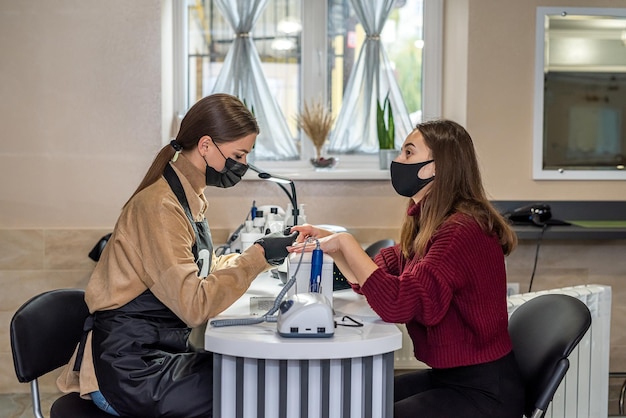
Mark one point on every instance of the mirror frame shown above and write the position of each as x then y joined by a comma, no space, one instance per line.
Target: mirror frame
539,172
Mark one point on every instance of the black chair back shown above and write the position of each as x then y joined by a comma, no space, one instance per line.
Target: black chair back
45,331
373,249
544,332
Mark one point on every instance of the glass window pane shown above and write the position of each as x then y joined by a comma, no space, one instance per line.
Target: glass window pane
209,38
402,38
277,37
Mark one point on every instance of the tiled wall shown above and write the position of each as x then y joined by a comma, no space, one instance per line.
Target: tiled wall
33,261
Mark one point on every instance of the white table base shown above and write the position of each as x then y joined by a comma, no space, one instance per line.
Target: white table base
264,388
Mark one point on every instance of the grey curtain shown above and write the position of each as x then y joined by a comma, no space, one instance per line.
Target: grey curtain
370,81
242,76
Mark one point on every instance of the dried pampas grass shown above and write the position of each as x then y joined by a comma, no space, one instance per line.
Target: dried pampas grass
316,121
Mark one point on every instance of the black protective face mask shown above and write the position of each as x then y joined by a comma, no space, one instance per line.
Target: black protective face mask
229,176
405,180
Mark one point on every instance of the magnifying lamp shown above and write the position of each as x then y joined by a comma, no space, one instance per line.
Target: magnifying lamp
281,182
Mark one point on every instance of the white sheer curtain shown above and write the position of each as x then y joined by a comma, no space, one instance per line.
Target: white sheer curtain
370,81
242,76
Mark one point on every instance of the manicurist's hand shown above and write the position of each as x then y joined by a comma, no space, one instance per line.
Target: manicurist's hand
275,246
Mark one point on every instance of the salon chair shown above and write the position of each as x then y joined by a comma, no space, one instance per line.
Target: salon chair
544,332
44,333
373,249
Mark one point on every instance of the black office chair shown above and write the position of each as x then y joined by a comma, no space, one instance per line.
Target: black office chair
44,333
544,331
375,247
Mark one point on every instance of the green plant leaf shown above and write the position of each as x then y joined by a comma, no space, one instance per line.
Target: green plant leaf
391,129
380,126
385,124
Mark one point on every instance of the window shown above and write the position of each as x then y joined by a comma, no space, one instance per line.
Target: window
301,63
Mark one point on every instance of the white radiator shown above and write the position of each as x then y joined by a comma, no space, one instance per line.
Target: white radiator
584,392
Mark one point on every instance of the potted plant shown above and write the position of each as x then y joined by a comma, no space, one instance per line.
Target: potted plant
386,134
316,121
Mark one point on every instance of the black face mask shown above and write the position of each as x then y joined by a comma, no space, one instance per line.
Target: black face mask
229,176
405,180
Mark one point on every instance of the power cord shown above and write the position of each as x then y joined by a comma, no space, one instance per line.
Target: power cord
269,315
532,276
222,249
353,322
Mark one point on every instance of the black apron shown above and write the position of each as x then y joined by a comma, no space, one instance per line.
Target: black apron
144,363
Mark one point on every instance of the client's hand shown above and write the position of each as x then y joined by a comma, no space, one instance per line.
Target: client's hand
275,246
310,231
330,244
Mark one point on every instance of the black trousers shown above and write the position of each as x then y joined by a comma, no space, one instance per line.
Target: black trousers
492,389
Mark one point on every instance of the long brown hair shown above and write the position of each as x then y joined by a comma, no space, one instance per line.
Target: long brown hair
221,116
457,187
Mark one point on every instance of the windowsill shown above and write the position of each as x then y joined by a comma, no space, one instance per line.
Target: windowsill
347,168
327,174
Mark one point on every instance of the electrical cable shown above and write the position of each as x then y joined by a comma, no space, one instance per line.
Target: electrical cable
353,322
222,249
532,276
269,315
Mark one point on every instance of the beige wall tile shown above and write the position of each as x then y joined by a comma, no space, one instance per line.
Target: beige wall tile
21,249
618,326
569,263
5,342
19,286
10,384
618,358
8,379
69,248
370,235
615,386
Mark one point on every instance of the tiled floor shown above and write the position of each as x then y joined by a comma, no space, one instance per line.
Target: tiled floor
19,405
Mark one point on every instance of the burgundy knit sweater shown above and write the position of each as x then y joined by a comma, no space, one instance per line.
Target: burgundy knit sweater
453,300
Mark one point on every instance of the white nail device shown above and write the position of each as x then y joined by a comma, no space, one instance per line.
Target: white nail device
306,315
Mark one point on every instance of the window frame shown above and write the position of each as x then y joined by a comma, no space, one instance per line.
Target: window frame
315,71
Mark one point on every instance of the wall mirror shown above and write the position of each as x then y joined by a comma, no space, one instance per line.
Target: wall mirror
580,94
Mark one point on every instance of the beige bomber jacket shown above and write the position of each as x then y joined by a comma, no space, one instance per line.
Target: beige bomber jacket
150,248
